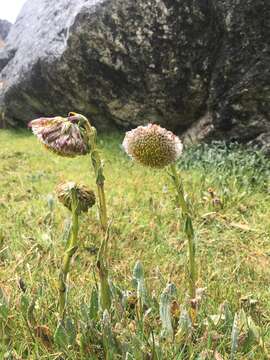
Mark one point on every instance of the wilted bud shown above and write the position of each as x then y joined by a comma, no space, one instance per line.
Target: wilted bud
63,136
196,302
152,146
132,326
175,309
85,197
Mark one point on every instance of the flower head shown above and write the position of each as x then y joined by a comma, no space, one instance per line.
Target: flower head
63,136
152,146
84,196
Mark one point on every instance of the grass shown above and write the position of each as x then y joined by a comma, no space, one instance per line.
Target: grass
228,188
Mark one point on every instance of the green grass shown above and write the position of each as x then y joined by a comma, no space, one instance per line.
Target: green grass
233,248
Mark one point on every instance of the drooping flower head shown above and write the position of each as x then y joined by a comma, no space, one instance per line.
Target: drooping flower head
63,136
153,146
85,196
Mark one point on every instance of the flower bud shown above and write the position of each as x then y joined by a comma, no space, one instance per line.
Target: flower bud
85,197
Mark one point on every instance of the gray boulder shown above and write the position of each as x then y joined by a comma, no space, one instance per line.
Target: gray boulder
198,67
4,30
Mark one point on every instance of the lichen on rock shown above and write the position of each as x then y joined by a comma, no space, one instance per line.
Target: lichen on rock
126,63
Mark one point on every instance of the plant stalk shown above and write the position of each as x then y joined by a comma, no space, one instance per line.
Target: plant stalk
188,228
102,261
72,246
105,291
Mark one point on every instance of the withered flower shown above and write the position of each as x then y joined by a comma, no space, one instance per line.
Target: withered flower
64,136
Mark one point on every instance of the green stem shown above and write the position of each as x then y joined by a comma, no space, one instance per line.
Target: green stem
105,291
188,227
69,252
100,179
102,266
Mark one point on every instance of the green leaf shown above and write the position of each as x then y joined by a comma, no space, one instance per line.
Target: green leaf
65,333
107,335
227,313
234,336
254,330
71,331
185,327
189,228
93,306
4,308
60,336
138,279
185,323
24,305
165,310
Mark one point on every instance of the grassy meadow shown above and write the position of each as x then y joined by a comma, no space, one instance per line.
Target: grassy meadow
229,193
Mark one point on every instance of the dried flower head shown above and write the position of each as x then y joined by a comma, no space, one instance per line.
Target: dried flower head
85,197
152,146
63,136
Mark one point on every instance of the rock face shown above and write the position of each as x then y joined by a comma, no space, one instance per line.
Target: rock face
199,67
4,30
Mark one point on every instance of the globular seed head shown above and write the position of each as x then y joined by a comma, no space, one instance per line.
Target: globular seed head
153,146
63,136
85,197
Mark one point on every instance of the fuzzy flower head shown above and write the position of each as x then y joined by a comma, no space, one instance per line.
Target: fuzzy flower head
152,146
85,197
64,136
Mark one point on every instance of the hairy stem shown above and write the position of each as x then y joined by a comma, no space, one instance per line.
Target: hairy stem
188,228
72,246
102,265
